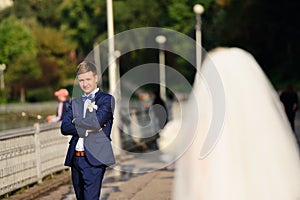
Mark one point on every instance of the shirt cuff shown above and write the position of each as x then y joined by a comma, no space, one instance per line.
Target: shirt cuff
86,133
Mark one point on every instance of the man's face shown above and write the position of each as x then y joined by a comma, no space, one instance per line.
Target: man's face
87,82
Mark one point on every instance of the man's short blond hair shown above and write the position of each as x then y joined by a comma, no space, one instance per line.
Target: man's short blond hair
85,67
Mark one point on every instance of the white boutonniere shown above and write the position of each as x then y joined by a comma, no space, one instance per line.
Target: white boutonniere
91,106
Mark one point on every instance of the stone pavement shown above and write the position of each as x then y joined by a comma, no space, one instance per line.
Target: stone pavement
136,177
149,186
143,177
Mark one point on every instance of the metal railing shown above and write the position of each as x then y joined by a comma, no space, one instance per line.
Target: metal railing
27,155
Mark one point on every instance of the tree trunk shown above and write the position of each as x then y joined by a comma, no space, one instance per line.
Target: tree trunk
22,95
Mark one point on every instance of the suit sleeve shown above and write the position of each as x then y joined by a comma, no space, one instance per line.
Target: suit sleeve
68,128
96,119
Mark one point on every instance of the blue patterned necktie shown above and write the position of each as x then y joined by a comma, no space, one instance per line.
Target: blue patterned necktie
84,97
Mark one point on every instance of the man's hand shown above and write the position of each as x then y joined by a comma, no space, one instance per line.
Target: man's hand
95,131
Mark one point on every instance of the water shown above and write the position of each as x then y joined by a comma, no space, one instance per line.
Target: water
20,115
8,123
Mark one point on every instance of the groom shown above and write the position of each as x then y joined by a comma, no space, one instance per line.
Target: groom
89,121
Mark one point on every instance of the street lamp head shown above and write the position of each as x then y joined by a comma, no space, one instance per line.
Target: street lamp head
2,67
160,39
117,54
198,9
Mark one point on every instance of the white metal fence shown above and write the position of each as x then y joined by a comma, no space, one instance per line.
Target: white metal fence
29,154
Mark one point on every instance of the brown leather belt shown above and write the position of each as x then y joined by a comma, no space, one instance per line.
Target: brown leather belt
79,153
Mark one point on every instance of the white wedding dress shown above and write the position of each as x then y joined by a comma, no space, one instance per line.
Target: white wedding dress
254,155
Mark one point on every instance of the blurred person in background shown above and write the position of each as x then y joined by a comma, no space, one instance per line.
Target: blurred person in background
160,112
63,104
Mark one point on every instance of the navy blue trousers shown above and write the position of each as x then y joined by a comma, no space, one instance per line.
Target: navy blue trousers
87,179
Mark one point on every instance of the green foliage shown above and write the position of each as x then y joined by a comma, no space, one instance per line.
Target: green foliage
40,94
18,51
181,14
45,11
37,37
54,55
3,98
133,14
83,21
27,68
23,70
16,39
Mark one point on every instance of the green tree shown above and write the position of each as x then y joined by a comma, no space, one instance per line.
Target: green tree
83,21
131,14
54,56
18,52
45,11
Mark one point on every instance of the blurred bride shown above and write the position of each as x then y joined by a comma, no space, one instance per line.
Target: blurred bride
254,155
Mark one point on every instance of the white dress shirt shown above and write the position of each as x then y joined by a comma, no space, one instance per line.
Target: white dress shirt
80,143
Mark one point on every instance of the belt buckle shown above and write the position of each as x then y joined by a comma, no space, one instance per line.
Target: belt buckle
79,153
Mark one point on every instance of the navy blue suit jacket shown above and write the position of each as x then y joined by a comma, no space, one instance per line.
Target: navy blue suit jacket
97,145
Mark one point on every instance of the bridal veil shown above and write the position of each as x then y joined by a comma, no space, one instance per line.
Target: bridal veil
254,155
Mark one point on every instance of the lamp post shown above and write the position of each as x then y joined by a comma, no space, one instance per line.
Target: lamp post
161,40
198,10
117,55
98,62
113,74
2,68
111,47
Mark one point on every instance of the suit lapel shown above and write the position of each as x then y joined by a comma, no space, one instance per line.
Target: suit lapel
77,107
97,95
78,104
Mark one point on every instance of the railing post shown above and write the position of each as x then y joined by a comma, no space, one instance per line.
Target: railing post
38,152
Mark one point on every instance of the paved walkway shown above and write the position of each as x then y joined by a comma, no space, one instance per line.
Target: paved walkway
136,177
149,186
144,177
